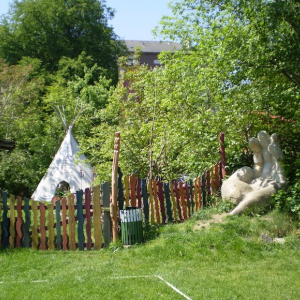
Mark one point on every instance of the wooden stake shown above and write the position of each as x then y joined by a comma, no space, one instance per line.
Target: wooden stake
223,155
114,187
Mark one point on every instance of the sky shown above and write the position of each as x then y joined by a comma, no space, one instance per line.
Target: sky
134,19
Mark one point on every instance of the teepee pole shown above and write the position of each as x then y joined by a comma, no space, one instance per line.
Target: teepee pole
114,187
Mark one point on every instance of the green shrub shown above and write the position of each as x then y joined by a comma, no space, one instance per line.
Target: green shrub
289,200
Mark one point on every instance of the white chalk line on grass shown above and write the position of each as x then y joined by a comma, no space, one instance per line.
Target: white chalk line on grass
159,277
119,277
173,287
23,281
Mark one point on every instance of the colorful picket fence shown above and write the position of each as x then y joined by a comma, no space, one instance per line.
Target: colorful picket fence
65,225
90,220
83,220
165,202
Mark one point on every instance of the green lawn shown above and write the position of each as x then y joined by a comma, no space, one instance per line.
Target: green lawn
225,261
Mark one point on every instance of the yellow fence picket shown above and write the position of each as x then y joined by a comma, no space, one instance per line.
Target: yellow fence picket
149,187
97,217
154,188
126,189
34,226
42,226
72,222
182,200
132,184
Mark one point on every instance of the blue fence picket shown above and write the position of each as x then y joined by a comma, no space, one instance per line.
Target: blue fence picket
192,195
120,190
168,201
26,225
203,190
58,241
5,221
80,218
145,199
105,188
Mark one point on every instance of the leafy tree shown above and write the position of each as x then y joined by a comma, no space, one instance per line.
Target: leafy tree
164,124
251,47
33,117
22,122
49,30
227,78
12,81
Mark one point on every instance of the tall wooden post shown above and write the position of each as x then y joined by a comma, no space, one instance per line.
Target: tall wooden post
114,187
223,157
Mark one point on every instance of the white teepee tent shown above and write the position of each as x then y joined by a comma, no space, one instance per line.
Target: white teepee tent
66,166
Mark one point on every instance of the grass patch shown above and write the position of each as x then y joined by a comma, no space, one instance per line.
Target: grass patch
225,261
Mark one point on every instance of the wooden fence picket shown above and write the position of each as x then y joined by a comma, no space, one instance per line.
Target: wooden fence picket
182,200
149,185
50,227
191,193
64,223
173,201
220,173
177,195
154,188
196,195
80,220
12,232
199,192
187,198
207,185
212,180
120,190
168,201
26,227
42,226
138,192
58,242
216,172
132,184
97,218
34,234
126,189
19,223
5,222
145,200
161,202
72,222
106,213
203,190
88,219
